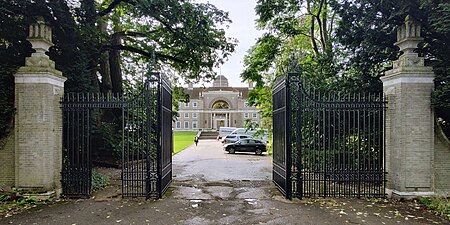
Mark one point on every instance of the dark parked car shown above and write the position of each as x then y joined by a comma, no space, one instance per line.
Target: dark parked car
246,145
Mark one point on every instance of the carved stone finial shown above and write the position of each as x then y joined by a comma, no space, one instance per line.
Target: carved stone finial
408,35
40,36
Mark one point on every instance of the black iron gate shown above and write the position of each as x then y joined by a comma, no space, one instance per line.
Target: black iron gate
327,145
144,139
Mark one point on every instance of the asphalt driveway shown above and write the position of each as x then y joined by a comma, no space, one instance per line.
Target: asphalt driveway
213,187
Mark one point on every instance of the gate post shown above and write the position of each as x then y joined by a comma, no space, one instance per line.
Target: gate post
38,121
409,118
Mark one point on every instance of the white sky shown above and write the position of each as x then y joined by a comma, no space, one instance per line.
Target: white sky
243,28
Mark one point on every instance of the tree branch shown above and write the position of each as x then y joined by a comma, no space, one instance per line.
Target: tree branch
112,6
141,52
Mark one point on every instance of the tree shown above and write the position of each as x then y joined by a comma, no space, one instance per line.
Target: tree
299,34
347,45
95,42
367,31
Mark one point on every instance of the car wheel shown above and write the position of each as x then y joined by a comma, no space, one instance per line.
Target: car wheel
258,151
231,151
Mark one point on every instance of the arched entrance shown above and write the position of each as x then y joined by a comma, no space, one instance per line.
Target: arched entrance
220,115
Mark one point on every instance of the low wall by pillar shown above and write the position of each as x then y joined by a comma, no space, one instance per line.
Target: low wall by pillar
441,163
7,159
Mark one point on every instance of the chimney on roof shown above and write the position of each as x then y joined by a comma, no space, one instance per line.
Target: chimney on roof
250,85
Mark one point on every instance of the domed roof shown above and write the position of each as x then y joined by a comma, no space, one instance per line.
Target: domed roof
220,81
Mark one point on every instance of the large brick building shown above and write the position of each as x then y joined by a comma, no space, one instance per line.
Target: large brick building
213,107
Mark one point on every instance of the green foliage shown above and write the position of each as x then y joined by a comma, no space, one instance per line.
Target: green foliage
4,198
440,205
99,181
108,144
367,31
362,35
16,201
185,37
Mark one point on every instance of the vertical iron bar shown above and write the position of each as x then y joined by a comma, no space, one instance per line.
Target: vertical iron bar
299,135
288,138
359,146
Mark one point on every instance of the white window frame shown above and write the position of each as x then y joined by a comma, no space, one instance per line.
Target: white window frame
245,104
186,123
254,115
246,115
186,104
194,115
194,104
186,115
178,125
194,125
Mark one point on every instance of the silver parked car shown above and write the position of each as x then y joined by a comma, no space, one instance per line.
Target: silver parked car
233,138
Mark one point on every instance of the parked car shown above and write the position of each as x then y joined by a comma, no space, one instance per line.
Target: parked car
233,138
246,145
224,131
261,134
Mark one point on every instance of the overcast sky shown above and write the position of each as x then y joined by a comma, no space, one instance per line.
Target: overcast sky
242,13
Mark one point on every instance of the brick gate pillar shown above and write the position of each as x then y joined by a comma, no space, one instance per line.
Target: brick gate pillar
409,118
38,121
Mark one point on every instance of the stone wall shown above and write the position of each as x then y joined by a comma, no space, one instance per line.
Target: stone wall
7,160
441,163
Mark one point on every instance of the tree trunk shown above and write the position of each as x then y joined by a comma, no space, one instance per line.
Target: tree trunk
106,86
114,62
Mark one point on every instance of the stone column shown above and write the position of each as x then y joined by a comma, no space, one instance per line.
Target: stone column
38,121
409,118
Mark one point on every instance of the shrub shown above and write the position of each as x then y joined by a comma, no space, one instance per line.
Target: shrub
99,181
441,206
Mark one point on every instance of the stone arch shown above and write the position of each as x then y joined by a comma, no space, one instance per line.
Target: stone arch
220,102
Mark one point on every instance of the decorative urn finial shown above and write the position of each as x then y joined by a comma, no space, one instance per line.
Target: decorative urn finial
408,35
40,37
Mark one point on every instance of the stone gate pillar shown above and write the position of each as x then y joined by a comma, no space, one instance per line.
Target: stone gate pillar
38,121
409,118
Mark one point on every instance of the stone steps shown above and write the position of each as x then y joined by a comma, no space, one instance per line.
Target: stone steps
208,135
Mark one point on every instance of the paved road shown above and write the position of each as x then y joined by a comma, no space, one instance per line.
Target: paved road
208,161
213,187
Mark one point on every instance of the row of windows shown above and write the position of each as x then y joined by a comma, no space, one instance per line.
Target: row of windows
186,125
246,115
254,115
195,104
194,115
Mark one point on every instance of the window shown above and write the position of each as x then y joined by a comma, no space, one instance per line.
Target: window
194,115
245,104
186,124
186,104
254,115
178,124
186,115
194,124
245,115
194,104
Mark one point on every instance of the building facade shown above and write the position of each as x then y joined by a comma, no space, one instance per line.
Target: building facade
214,107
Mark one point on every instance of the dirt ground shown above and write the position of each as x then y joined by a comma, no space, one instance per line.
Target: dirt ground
210,187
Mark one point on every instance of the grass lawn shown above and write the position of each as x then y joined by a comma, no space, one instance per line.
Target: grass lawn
182,139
